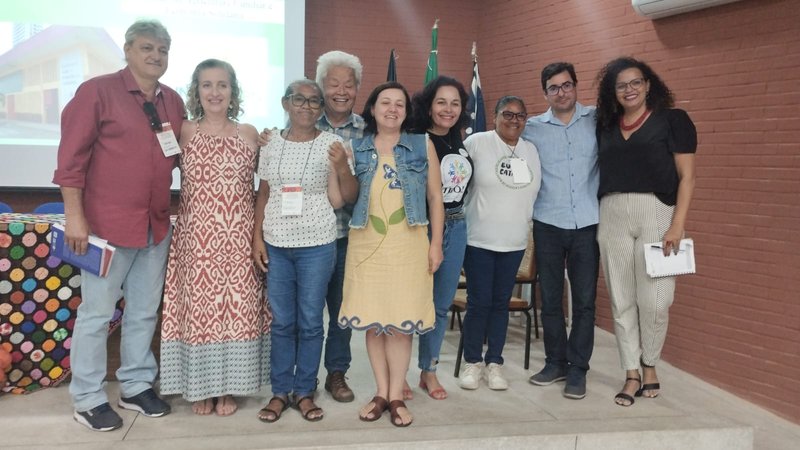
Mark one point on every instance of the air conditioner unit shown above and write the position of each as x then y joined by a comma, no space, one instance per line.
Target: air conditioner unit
656,9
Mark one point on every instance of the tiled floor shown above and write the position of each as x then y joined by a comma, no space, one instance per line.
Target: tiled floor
690,414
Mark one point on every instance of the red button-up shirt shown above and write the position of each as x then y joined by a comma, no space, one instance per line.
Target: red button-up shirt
109,150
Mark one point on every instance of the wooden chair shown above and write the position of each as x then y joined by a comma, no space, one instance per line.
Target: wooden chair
526,274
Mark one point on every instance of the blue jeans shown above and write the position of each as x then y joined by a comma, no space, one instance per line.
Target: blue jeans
445,284
140,272
490,282
337,344
296,284
578,249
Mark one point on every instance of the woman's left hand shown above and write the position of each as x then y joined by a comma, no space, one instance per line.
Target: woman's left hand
672,240
263,137
435,258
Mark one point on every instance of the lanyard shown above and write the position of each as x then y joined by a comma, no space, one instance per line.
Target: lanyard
308,156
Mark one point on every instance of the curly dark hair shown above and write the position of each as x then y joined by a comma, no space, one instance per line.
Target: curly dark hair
369,119
423,100
608,108
193,105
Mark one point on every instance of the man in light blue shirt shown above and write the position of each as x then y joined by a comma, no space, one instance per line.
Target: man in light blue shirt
565,216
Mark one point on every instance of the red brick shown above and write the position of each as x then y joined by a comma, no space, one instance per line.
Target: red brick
735,68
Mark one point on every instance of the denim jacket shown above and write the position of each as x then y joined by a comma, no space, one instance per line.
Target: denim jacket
411,159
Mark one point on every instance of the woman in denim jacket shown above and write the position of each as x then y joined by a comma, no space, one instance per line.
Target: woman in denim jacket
388,285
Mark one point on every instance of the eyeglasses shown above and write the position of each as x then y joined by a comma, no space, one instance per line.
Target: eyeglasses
152,116
508,115
635,84
298,100
564,87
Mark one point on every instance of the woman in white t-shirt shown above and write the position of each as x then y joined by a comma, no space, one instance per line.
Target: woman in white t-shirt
499,207
294,242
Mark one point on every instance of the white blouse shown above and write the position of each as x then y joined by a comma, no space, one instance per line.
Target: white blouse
284,162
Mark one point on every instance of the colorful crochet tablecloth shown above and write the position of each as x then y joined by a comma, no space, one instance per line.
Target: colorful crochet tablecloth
39,298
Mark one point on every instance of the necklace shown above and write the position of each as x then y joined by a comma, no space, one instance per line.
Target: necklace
635,124
280,158
512,148
444,141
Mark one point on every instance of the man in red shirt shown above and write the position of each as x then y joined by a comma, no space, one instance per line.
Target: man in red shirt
115,160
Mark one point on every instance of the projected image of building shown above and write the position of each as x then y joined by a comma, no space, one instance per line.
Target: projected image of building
41,72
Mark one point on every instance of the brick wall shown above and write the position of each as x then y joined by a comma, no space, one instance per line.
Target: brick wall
734,68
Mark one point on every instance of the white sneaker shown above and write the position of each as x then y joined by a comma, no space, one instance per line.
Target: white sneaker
471,376
494,377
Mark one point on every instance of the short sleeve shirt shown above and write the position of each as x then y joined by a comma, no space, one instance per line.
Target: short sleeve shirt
645,162
285,162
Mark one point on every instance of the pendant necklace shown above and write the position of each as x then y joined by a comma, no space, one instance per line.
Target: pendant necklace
444,141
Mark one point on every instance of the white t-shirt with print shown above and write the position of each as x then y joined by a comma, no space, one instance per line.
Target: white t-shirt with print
499,210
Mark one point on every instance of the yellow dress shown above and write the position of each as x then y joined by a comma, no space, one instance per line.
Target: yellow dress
387,286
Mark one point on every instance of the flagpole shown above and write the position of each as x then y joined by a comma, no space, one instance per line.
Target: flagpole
432,69
475,107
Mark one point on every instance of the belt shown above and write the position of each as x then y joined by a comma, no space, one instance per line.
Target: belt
454,214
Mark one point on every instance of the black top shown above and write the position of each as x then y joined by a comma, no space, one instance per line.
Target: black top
456,168
645,162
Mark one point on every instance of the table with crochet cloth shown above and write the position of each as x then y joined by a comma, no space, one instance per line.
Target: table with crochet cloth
39,298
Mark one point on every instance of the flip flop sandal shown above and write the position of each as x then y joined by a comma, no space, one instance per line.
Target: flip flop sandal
376,411
276,414
307,415
395,416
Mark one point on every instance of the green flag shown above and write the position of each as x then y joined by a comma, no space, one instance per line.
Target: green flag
433,64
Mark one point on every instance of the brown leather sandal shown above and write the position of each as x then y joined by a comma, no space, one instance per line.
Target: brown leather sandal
376,411
307,414
395,416
275,414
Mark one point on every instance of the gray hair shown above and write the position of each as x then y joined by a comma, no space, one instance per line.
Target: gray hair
294,85
338,58
147,27
509,99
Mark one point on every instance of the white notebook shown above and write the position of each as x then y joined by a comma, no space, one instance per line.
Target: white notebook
659,265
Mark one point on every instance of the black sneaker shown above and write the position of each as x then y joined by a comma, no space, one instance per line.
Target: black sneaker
575,387
100,418
548,376
147,403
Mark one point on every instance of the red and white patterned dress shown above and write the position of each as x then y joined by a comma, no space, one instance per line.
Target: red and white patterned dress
215,325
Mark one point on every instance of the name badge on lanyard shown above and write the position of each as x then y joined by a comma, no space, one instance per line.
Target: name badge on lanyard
291,200
520,170
168,141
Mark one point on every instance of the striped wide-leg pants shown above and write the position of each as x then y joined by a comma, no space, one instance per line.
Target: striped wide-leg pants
640,304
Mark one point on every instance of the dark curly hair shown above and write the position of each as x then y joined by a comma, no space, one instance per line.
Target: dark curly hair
608,108
423,100
193,105
369,119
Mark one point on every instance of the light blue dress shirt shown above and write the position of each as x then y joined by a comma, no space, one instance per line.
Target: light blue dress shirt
570,175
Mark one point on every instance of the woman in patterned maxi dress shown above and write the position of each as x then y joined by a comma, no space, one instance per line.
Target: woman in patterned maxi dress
214,335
